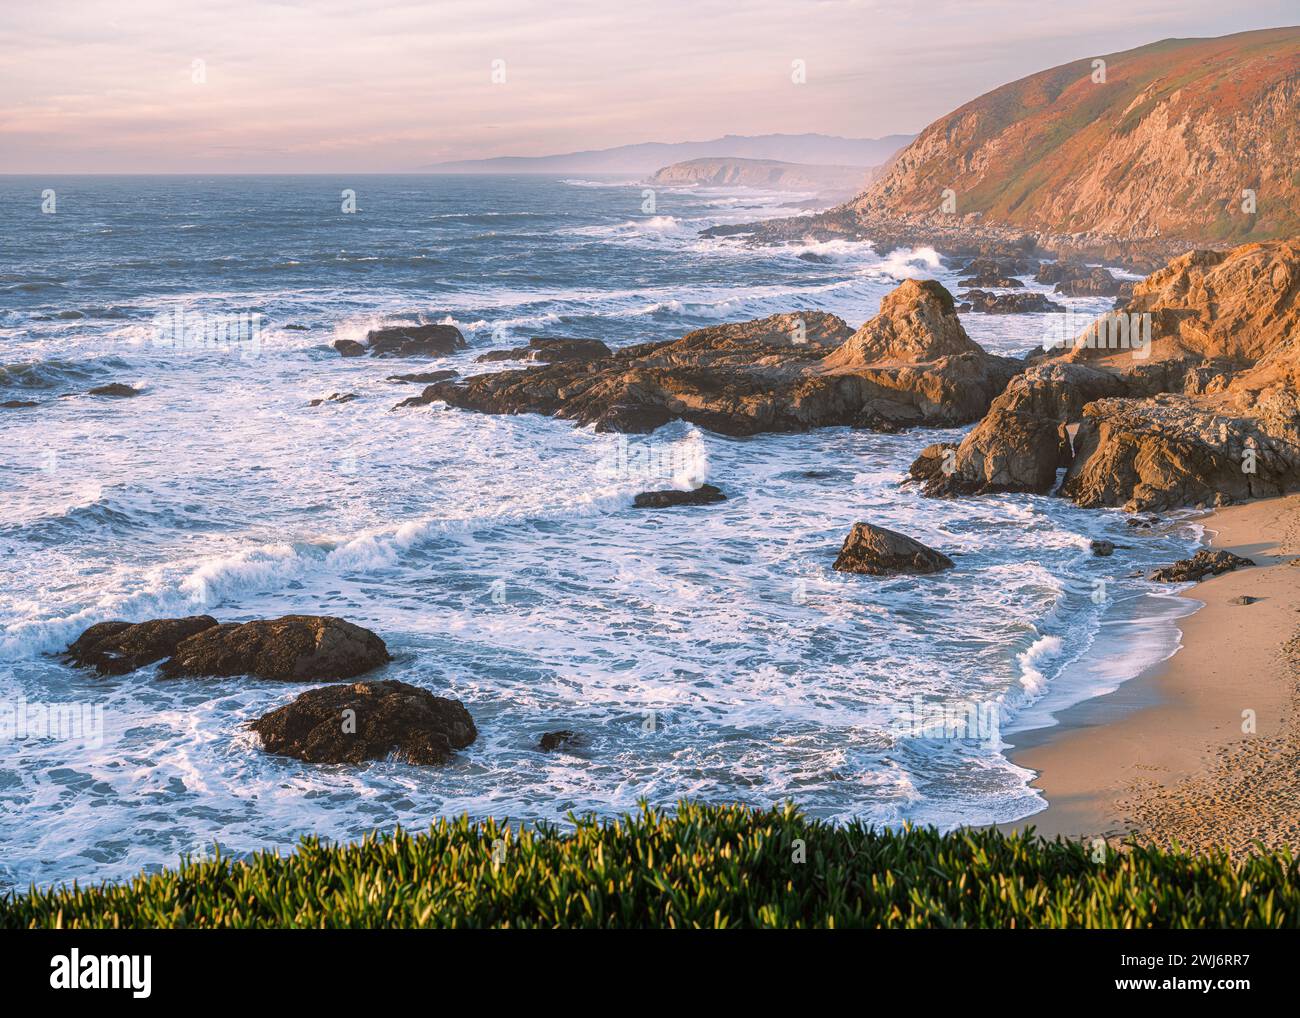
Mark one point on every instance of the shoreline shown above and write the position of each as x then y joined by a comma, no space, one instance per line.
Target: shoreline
1164,756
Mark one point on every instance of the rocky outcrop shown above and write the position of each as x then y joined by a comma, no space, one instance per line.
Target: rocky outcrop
334,397
876,551
115,648
405,341
295,648
1017,303
911,365
1203,411
705,494
548,351
368,721
17,404
117,390
1023,440
1204,563
1170,451
1007,451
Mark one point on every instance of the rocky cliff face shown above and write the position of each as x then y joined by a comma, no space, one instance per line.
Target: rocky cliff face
1207,413
1163,147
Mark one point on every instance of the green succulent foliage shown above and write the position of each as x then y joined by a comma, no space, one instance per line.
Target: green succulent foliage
696,866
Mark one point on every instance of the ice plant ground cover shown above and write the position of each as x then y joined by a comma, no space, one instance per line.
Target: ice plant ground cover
698,866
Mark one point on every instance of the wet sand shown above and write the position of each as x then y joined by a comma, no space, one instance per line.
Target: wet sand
1204,749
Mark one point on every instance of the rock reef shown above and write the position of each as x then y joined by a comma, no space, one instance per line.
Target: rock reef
912,365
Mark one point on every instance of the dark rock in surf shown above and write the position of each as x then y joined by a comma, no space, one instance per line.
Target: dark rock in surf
1020,302
876,551
1102,549
415,341
115,648
423,377
295,648
117,390
349,348
552,741
335,397
367,721
705,494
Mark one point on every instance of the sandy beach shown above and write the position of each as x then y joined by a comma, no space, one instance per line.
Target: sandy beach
1204,749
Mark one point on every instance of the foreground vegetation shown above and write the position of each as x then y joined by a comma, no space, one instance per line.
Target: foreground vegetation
713,866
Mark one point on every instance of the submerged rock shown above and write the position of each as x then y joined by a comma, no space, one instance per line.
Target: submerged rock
367,721
115,648
551,741
705,494
424,377
335,397
879,552
1204,563
295,648
17,404
118,390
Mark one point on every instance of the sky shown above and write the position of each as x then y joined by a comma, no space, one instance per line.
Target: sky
231,86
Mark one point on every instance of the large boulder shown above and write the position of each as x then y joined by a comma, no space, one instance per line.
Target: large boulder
1007,451
876,551
115,648
295,648
367,721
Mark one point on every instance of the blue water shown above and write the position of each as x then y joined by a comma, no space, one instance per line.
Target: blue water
710,653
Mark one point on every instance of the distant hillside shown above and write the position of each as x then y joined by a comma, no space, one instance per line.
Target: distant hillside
768,174
1162,149
645,158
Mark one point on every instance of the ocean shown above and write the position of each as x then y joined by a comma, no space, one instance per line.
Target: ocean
707,653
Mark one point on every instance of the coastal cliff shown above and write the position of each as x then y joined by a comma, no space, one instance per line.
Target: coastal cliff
1133,156
767,174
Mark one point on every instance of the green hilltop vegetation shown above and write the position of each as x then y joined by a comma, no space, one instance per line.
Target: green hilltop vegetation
700,866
